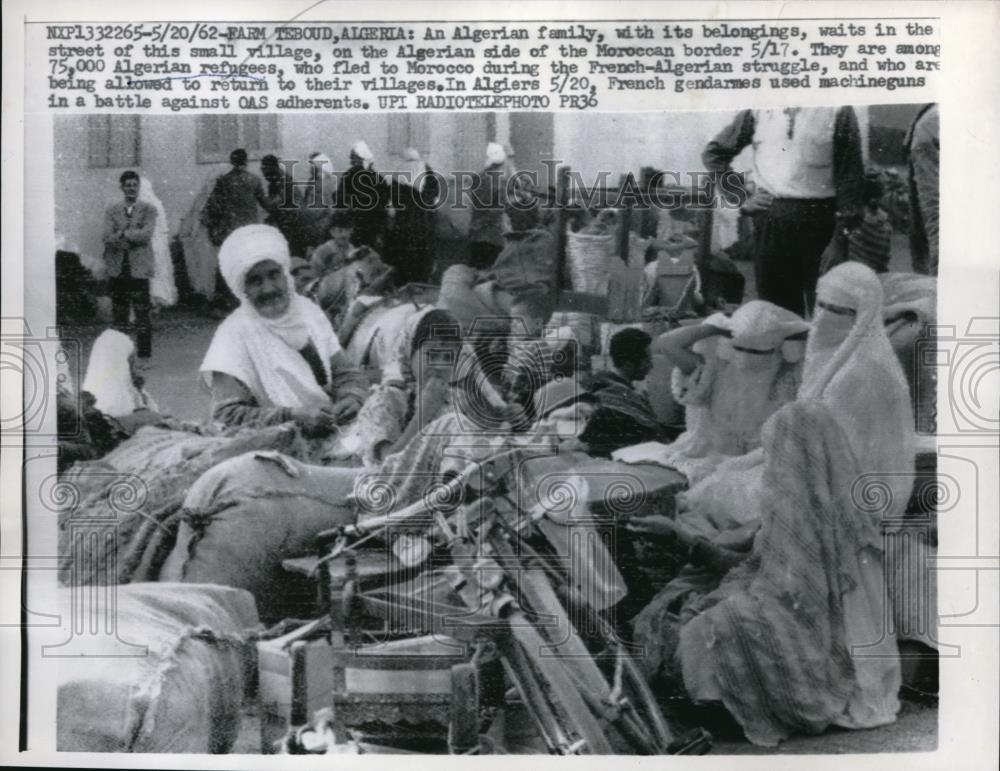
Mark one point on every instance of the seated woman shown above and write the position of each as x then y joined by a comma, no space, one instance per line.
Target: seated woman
115,385
793,640
276,358
850,365
417,376
731,374
851,369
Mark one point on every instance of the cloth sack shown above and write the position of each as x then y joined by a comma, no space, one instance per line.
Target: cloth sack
247,514
135,493
170,680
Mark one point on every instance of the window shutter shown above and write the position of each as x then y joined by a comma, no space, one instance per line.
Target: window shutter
113,141
420,133
399,133
98,133
123,144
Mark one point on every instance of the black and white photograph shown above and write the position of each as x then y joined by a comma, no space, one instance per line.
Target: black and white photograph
463,379
506,435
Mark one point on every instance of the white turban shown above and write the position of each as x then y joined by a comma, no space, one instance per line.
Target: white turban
414,170
495,154
364,152
244,248
245,345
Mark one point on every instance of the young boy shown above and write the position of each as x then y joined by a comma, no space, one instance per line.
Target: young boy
338,250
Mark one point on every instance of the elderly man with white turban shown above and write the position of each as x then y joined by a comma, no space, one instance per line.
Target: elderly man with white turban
366,194
276,357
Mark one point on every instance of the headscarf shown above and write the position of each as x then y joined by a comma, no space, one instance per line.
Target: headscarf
759,326
414,171
246,345
861,380
396,345
109,376
320,160
495,154
244,248
364,152
162,287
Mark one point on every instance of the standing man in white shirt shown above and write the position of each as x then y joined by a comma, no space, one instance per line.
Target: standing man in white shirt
809,172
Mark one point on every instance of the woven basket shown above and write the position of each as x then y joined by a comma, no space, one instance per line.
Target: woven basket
589,258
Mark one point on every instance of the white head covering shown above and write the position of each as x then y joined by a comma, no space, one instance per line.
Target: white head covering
760,325
162,287
414,170
364,152
320,160
248,345
244,248
109,376
861,380
495,154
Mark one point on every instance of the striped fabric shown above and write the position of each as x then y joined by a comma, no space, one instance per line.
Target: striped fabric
870,242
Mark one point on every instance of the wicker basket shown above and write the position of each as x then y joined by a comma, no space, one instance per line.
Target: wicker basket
589,258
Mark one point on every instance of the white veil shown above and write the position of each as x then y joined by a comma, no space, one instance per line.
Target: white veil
162,289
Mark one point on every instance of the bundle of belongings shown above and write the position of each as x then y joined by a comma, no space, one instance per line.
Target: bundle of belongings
170,678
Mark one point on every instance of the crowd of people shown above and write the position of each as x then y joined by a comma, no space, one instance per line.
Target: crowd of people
788,398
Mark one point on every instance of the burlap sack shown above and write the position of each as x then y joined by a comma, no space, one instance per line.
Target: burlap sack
247,514
170,680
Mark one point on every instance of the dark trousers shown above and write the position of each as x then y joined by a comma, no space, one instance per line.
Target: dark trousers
132,294
789,241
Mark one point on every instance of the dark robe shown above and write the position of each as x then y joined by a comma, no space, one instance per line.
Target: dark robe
410,247
367,195
623,416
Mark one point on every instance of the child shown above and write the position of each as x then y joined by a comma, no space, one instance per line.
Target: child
338,250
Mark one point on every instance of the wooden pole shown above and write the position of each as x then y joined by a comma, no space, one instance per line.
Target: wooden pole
562,218
625,224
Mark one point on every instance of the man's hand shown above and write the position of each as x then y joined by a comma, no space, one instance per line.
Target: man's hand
317,422
760,201
346,409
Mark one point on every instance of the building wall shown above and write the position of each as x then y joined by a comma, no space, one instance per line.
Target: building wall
621,143
589,143
168,157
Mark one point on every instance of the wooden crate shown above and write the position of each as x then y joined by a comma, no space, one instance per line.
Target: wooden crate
295,678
